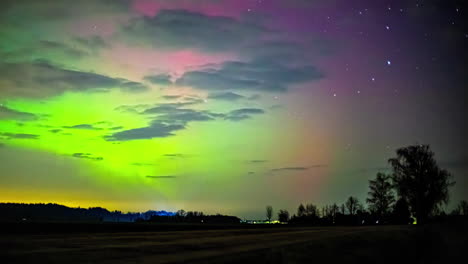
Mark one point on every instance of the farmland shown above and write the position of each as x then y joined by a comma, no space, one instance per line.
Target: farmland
384,244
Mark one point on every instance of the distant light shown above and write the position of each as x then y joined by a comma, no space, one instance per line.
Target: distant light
389,63
387,27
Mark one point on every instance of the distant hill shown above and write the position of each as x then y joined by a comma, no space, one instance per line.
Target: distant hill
17,212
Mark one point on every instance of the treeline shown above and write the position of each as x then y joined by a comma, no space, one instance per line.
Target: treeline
352,212
414,192
20,212
193,217
54,212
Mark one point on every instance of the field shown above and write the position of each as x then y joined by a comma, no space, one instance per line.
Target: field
252,244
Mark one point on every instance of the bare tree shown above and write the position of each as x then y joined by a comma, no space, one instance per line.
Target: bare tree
419,180
334,209
283,216
301,211
352,204
381,196
312,210
269,212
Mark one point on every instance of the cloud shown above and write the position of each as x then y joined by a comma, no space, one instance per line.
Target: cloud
132,108
251,76
41,79
181,29
133,87
11,114
155,130
48,45
176,155
141,164
242,114
93,43
52,10
171,108
257,161
290,169
254,97
171,97
86,156
162,177
83,126
159,79
227,96
55,130
170,117
298,168
172,113
19,136
276,107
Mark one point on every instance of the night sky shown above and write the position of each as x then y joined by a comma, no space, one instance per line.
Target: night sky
225,105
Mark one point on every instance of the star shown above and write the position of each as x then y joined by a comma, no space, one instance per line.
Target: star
334,94
373,79
387,27
389,63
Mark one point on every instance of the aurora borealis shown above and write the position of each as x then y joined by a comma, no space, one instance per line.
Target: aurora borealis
224,105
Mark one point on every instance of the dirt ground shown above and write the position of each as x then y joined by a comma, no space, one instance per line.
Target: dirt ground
374,244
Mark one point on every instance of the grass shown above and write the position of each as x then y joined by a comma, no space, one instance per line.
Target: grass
240,244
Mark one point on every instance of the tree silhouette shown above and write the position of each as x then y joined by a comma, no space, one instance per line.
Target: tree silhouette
311,210
342,209
283,215
301,210
419,180
269,212
381,196
352,205
334,209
